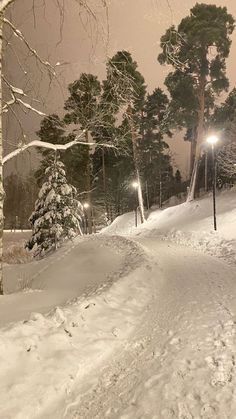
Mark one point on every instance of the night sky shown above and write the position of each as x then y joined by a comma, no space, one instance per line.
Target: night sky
135,25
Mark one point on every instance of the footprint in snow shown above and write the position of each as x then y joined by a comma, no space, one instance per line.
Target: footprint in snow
152,381
208,412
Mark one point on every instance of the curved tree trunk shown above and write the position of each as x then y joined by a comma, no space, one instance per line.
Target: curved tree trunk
199,139
105,184
88,189
140,198
137,171
1,170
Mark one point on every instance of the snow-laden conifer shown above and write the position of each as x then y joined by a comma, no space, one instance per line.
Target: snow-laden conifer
57,213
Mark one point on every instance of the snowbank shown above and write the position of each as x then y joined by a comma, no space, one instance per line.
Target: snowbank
79,266
45,357
124,225
190,224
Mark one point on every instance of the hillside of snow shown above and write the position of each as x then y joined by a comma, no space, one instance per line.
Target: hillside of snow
189,224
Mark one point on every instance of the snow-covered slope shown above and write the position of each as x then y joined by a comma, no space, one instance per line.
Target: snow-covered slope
190,224
78,267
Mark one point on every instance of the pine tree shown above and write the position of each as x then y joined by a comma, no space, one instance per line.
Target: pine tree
157,172
51,130
188,49
57,213
83,109
127,87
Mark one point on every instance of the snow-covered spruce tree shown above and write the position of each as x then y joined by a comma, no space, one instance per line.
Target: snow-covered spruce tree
57,213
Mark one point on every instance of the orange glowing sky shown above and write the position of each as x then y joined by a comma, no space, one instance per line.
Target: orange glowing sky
134,25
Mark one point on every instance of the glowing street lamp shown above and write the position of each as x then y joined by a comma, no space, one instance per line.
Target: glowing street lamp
135,185
86,205
212,140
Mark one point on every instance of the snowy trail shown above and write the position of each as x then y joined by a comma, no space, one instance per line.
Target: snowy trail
70,272
180,361
45,357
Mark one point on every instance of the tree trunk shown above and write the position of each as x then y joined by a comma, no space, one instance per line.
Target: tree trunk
104,183
192,155
88,189
206,172
147,196
136,166
199,138
1,169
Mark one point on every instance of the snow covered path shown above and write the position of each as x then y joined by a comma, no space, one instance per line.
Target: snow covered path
45,357
180,360
75,269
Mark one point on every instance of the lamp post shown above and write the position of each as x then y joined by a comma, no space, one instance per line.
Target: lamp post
212,140
135,185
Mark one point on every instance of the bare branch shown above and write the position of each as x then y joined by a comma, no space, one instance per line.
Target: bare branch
19,34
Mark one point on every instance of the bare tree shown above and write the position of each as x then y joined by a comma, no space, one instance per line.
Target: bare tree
18,97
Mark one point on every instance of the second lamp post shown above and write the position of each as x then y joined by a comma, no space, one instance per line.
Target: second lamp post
212,140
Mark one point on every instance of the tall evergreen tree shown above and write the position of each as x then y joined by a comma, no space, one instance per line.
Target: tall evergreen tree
187,48
83,109
51,131
156,161
104,159
57,213
127,87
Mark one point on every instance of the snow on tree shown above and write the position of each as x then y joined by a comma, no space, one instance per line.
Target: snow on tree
57,213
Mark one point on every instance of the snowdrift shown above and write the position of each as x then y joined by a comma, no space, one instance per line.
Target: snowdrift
45,357
190,224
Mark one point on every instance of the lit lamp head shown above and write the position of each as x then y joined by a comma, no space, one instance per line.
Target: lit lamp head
86,205
135,185
213,139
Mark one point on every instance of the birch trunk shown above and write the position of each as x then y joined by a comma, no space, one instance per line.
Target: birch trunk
1,170
136,163
199,138
105,184
137,172
88,188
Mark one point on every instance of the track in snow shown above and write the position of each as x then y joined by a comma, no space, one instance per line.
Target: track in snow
180,362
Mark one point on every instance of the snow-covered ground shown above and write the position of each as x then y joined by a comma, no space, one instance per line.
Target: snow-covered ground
190,224
131,323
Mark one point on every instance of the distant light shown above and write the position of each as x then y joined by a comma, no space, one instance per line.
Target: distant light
213,139
135,185
86,205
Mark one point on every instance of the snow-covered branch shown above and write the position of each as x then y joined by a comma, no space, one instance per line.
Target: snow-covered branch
26,105
20,35
55,147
